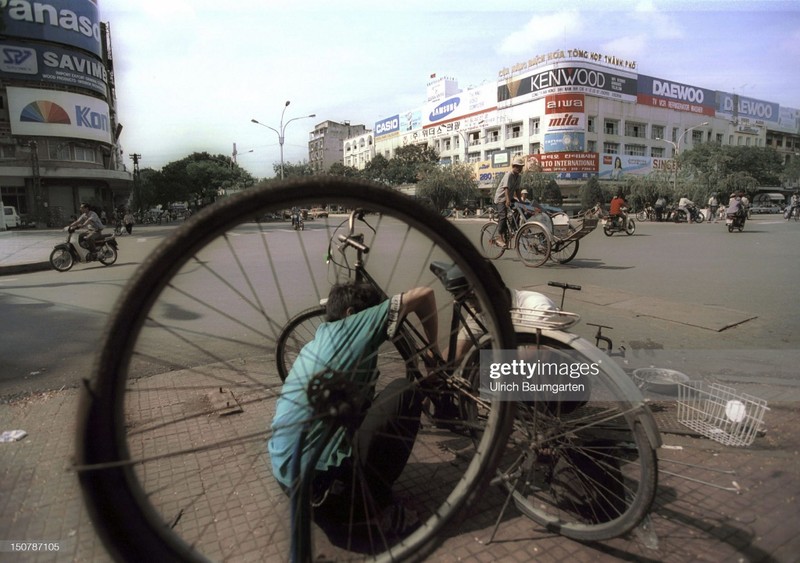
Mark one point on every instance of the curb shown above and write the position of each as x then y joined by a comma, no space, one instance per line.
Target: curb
24,268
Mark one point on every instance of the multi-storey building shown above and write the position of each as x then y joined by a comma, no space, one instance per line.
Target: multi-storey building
580,114
58,125
326,143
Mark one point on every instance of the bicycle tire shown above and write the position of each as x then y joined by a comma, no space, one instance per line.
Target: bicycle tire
533,245
297,333
564,252
489,246
160,477
587,469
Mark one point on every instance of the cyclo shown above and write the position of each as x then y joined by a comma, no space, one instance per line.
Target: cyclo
539,233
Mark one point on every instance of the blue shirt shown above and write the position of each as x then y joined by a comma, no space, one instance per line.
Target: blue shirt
348,345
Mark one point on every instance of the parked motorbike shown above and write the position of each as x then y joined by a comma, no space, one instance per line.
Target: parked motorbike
619,224
735,221
66,254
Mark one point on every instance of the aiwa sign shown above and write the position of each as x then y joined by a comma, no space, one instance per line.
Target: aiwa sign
68,22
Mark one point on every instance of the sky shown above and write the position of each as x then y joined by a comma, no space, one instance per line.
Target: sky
191,74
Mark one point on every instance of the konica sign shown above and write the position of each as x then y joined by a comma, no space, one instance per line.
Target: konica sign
387,126
70,22
49,113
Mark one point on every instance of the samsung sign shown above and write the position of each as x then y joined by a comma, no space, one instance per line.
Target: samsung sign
387,126
70,22
444,109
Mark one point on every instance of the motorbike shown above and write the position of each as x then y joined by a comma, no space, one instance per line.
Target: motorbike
695,214
66,254
297,221
623,223
735,221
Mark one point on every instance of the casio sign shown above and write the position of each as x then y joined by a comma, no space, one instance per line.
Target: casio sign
444,109
387,125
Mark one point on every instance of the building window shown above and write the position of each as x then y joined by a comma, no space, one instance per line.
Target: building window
493,136
591,146
535,126
635,150
515,150
634,129
611,127
8,151
515,131
657,152
536,148
590,124
697,137
656,131
58,151
611,148
85,155
447,144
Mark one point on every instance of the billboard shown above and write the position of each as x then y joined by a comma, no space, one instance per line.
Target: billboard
732,105
69,22
52,65
567,165
617,166
49,113
464,104
675,96
564,142
387,126
564,112
567,78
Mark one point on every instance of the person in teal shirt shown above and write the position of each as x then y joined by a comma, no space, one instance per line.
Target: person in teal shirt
358,321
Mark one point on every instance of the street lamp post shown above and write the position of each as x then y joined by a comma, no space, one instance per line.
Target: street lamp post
282,129
676,151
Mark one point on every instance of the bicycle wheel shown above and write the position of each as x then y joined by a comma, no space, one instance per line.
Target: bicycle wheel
533,245
297,333
642,215
173,426
61,259
489,236
583,467
563,252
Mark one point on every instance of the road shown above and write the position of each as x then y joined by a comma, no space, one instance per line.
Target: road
669,289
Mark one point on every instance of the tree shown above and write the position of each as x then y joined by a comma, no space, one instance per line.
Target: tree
377,169
339,169
445,186
791,172
404,167
591,193
714,168
552,194
293,170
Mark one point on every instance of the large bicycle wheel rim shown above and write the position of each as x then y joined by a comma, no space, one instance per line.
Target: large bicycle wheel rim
298,332
491,249
565,251
154,491
533,245
586,470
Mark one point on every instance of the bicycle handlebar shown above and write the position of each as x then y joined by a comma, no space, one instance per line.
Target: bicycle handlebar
564,285
355,242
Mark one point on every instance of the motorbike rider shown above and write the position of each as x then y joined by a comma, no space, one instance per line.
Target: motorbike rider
616,211
94,227
295,216
794,203
684,204
736,208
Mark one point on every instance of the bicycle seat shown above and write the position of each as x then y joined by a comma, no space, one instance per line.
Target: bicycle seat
450,275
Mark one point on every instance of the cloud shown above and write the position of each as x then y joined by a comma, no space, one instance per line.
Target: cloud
542,29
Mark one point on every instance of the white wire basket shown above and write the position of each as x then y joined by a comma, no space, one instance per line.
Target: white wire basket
720,413
544,318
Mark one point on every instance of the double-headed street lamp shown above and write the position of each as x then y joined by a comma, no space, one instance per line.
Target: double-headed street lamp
676,151
282,129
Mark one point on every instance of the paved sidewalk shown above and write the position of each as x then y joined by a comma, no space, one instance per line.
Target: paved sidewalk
714,503
27,250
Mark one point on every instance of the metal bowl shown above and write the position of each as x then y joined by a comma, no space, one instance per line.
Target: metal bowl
659,380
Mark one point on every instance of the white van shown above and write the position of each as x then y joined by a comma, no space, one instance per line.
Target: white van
11,217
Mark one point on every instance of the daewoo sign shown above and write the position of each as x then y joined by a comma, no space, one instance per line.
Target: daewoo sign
678,91
444,109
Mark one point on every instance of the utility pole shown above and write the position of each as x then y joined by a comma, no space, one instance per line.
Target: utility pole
137,196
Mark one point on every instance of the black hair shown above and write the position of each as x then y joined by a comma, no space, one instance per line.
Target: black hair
342,296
